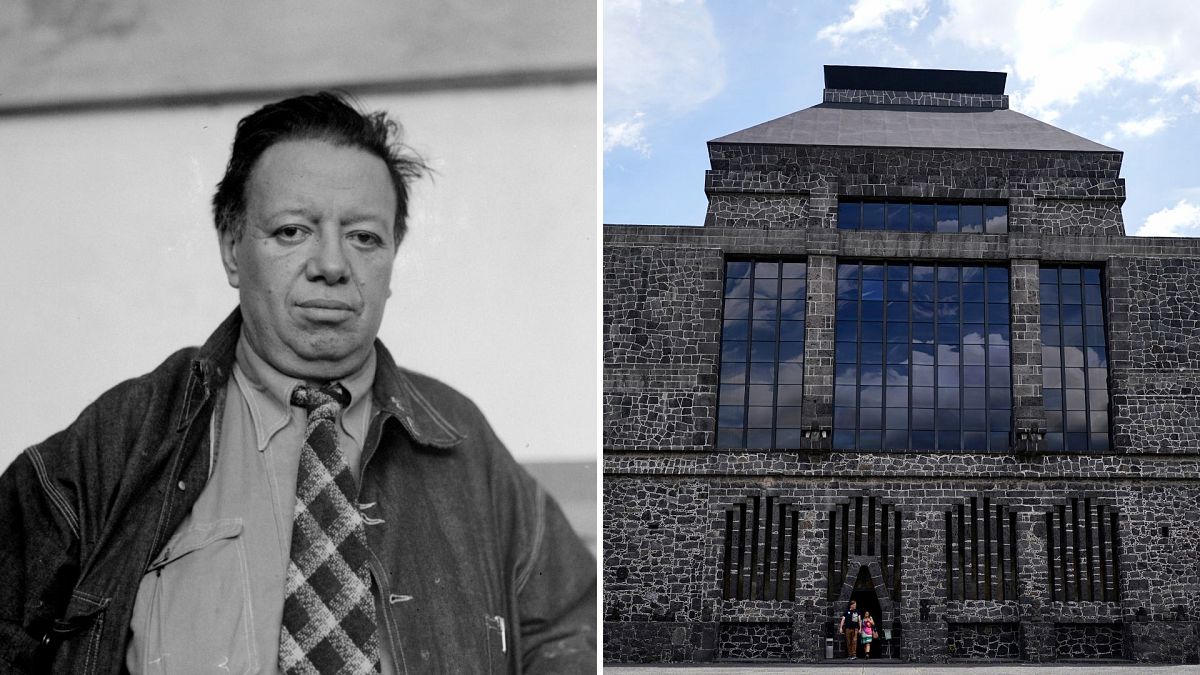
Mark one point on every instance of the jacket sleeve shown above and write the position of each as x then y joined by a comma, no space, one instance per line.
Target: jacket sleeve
554,581
39,549
556,595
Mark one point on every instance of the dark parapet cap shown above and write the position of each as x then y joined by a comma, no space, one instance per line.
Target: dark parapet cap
914,79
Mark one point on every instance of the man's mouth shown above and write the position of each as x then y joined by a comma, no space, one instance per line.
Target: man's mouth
322,303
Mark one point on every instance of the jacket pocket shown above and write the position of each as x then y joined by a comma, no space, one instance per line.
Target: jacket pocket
84,624
177,626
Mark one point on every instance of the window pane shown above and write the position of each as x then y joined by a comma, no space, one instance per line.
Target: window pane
792,288
733,373
729,438
788,417
897,217
766,270
787,438
997,219
849,216
791,330
922,397
766,288
759,416
947,218
736,308
971,218
791,373
732,416
922,218
872,217
758,438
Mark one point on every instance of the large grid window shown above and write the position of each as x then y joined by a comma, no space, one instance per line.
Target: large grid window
923,217
922,358
762,355
1074,360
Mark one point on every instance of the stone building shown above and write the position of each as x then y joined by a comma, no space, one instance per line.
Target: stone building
910,359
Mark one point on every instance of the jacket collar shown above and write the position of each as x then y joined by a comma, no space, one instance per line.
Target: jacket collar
394,392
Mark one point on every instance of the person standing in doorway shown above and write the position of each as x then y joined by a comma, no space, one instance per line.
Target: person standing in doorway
868,633
849,627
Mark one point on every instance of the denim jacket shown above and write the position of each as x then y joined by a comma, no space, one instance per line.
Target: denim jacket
478,570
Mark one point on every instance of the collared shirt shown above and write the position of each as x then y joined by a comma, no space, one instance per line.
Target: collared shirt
213,599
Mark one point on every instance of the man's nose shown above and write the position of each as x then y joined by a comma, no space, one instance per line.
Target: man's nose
328,260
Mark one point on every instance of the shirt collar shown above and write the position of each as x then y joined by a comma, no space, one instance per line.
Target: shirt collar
268,393
394,390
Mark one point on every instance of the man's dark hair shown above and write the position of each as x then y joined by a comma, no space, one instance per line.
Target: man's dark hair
322,116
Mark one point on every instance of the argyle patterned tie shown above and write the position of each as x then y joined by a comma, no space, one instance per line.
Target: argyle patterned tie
329,609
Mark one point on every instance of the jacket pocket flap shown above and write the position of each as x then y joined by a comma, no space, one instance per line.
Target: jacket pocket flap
195,538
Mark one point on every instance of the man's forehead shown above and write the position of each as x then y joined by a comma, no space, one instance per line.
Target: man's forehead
308,176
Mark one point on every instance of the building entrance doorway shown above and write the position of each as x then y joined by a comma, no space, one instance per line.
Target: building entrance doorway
867,601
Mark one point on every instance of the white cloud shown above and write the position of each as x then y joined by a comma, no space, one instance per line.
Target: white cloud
872,15
1061,51
1181,220
661,58
629,133
1145,126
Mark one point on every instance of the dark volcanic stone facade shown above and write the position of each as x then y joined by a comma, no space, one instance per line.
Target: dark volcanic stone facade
670,496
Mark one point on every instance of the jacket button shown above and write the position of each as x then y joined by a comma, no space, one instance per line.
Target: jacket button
182,485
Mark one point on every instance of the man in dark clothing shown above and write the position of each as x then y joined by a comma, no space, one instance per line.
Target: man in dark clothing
849,627
286,498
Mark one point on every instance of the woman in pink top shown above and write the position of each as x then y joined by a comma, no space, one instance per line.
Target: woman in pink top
867,634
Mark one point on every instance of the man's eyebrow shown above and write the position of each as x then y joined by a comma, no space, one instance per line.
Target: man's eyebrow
360,216
295,211
349,219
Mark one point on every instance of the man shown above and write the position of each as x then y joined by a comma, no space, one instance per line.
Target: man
849,627
285,498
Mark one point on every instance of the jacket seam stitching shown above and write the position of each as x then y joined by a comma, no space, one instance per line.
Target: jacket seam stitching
538,533
56,497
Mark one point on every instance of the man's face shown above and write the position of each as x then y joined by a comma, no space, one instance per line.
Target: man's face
314,262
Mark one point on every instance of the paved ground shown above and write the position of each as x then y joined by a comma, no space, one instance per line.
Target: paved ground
865,668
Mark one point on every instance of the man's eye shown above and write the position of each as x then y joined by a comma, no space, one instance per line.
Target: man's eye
366,239
290,233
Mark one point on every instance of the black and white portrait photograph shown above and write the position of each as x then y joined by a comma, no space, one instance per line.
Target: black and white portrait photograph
300,345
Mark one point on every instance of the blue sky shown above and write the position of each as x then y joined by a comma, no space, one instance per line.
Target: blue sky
678,73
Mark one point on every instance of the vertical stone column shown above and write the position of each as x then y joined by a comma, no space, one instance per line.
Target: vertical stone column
1032,590
1026,345
923,586
1120,349
819,348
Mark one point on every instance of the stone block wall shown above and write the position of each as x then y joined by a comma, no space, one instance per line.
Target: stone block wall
1047,192
1155,331
1062,216
771,211
984,641
662,335
665,543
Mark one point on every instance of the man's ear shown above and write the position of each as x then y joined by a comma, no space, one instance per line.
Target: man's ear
227,240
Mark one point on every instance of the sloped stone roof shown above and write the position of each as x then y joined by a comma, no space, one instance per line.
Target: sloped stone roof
851,124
